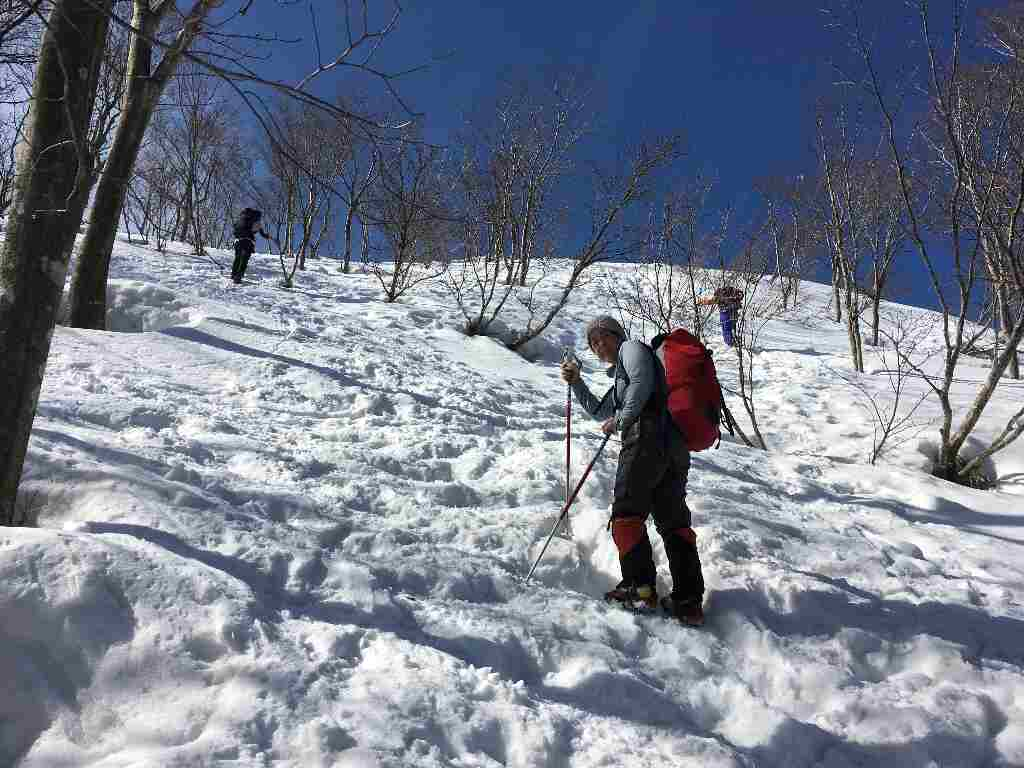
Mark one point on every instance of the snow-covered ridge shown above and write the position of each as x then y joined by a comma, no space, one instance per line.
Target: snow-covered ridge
290,528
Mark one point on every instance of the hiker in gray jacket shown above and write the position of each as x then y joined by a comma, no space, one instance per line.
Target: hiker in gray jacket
651,476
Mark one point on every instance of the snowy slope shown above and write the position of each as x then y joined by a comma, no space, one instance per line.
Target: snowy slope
290,529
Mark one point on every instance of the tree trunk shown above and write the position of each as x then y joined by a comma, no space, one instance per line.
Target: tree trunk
876,319
745,369
835,291
1006,323
853,327
127,227
346,264
876,308
185,224
984,395
88,299
49,196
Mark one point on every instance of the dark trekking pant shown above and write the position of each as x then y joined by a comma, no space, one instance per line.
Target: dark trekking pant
243,251
651,481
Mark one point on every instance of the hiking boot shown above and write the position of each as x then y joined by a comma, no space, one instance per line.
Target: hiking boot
643,598
689,612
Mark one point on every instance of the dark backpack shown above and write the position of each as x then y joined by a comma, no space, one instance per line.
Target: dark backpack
694,395
728,296
246,221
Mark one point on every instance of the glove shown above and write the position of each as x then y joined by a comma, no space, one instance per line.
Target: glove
570,372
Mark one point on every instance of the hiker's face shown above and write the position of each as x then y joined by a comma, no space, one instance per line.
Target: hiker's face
605,346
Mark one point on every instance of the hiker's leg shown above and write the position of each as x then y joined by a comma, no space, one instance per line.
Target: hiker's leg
236,265
675,525
725,319
639,471
245,262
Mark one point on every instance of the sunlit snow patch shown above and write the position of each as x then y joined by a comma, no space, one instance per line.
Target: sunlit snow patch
137,307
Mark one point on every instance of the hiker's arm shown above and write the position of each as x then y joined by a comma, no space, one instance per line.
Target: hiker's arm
706,301
638,363
598,408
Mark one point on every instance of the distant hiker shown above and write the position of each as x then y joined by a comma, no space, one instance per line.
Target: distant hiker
247,226
728,300
651,476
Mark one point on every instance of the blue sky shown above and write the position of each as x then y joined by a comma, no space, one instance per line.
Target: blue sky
738,78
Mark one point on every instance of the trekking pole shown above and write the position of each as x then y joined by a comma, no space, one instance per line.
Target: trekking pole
568,453
568,357
568,503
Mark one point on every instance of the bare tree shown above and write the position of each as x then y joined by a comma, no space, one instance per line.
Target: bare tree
53,169
892,419
20,30
1005,35
311,148
356,172
669,276
474,279
761,304
794,237
199,160
845,219
527,149
513,165
158,196
10,129
145,84
615,194
979,145
884,232
271,195
18,52
408,208
208,153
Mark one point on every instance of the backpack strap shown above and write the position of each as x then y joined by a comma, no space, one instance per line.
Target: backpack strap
665,423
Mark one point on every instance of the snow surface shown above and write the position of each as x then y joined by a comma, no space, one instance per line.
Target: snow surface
290,528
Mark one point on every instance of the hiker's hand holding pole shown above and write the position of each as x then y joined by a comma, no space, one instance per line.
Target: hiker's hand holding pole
608,427
570,371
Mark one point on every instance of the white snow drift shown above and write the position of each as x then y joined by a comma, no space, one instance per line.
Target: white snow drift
289,528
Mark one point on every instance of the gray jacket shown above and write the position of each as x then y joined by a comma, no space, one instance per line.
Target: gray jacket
637,377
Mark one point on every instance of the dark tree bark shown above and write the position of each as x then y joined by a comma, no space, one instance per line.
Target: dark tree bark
346,264
1006,324
54,167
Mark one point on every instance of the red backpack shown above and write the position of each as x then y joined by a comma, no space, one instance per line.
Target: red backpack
694,394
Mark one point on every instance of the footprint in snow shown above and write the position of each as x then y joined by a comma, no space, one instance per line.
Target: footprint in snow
456,495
